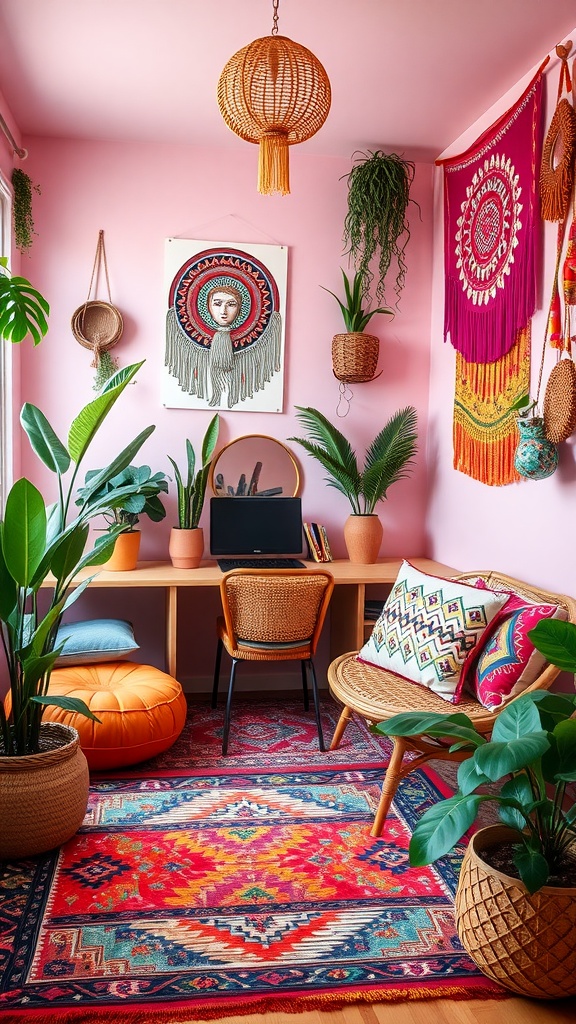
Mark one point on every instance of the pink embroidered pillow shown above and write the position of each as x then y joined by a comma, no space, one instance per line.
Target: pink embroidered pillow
508,661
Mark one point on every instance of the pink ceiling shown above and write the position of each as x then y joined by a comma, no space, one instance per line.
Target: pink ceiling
408,75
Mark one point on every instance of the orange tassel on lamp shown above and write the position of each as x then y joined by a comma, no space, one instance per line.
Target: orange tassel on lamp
276,93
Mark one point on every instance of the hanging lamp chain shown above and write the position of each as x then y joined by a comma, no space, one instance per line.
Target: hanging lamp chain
275,5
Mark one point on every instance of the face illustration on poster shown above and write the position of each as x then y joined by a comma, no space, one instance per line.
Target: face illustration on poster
224,326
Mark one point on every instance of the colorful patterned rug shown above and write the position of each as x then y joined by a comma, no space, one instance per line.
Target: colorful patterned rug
206,892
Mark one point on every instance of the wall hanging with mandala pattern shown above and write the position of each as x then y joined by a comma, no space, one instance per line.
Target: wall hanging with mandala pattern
224,325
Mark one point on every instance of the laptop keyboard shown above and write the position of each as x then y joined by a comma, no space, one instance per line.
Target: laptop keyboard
226,564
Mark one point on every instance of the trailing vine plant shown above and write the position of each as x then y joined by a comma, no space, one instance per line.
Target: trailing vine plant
22,208
376,222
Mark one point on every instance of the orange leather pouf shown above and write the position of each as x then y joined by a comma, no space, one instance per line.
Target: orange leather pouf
141,710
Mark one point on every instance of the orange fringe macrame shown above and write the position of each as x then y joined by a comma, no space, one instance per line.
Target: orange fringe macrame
485,430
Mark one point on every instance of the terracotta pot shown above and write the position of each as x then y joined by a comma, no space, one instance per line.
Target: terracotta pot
43,797
363,537
125,554
186,547
524,942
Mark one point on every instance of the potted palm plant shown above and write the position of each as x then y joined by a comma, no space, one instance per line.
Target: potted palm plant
355,354
131,493
43,773
186,545
516,897
387,459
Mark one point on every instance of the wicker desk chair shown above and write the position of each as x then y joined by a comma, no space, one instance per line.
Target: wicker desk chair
377,695
272,615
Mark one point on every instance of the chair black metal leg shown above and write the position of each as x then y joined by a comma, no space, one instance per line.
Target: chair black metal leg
305,685
216,674
228,707
316,705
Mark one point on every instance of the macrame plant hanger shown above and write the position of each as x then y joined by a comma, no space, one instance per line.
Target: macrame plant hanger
98,325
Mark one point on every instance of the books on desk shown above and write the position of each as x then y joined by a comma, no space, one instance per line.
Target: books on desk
317,540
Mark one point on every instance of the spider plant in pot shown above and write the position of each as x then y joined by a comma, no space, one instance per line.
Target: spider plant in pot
388,458
186,545
43,772
516,895
355,354
131,493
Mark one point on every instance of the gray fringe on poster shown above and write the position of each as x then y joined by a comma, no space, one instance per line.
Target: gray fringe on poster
243,371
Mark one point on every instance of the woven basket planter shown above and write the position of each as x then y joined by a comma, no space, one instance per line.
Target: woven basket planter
524,942
43,797
355,357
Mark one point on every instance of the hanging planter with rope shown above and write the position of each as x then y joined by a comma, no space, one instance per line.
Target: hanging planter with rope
98,325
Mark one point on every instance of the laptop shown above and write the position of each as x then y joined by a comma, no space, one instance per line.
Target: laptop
256,532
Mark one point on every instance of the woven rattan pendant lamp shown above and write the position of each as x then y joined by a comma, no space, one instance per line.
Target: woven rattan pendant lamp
274,92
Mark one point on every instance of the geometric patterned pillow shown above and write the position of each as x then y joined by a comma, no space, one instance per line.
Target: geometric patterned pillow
509,662
430,629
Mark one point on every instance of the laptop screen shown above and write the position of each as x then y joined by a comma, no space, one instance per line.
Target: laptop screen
253,526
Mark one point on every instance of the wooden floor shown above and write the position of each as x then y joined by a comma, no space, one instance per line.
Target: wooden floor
430,1011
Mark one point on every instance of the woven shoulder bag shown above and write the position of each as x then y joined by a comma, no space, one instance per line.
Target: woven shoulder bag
560,401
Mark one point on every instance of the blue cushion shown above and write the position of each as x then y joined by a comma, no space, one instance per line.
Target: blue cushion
94,640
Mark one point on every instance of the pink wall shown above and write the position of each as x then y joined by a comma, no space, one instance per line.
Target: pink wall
141,194
524,529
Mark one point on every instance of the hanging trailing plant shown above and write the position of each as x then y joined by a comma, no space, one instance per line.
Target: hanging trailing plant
376,222
22,209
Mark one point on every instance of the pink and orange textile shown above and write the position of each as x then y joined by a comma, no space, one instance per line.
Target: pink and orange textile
491,220
204,890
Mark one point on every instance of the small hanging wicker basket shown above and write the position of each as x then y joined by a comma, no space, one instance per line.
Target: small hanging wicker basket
355,357
96,324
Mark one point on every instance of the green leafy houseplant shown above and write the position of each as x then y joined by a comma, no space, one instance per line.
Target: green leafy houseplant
23,310
123,498
36,542
531,755
376,225
387,459
23,219
192,492
355,316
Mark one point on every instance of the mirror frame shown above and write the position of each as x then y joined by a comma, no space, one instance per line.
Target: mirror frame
265,437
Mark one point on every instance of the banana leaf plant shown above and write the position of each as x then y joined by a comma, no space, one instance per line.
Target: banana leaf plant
47,545
191,493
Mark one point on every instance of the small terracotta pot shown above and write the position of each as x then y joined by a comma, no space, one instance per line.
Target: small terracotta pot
363,537
186,547
125,554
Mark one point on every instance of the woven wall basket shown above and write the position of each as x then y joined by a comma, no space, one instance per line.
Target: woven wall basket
97,325
560,402
524,942
43,797
355,357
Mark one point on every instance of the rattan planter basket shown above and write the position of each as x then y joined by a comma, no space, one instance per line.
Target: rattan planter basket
355,357
525,942
43,797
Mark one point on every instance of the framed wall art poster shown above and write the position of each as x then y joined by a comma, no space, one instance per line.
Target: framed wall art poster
225,310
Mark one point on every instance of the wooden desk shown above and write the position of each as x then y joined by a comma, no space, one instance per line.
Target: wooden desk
346,607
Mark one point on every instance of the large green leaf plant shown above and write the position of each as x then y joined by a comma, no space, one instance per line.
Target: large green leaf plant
387,459
46,546
526,768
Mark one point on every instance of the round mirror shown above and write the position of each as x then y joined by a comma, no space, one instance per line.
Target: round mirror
255,465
